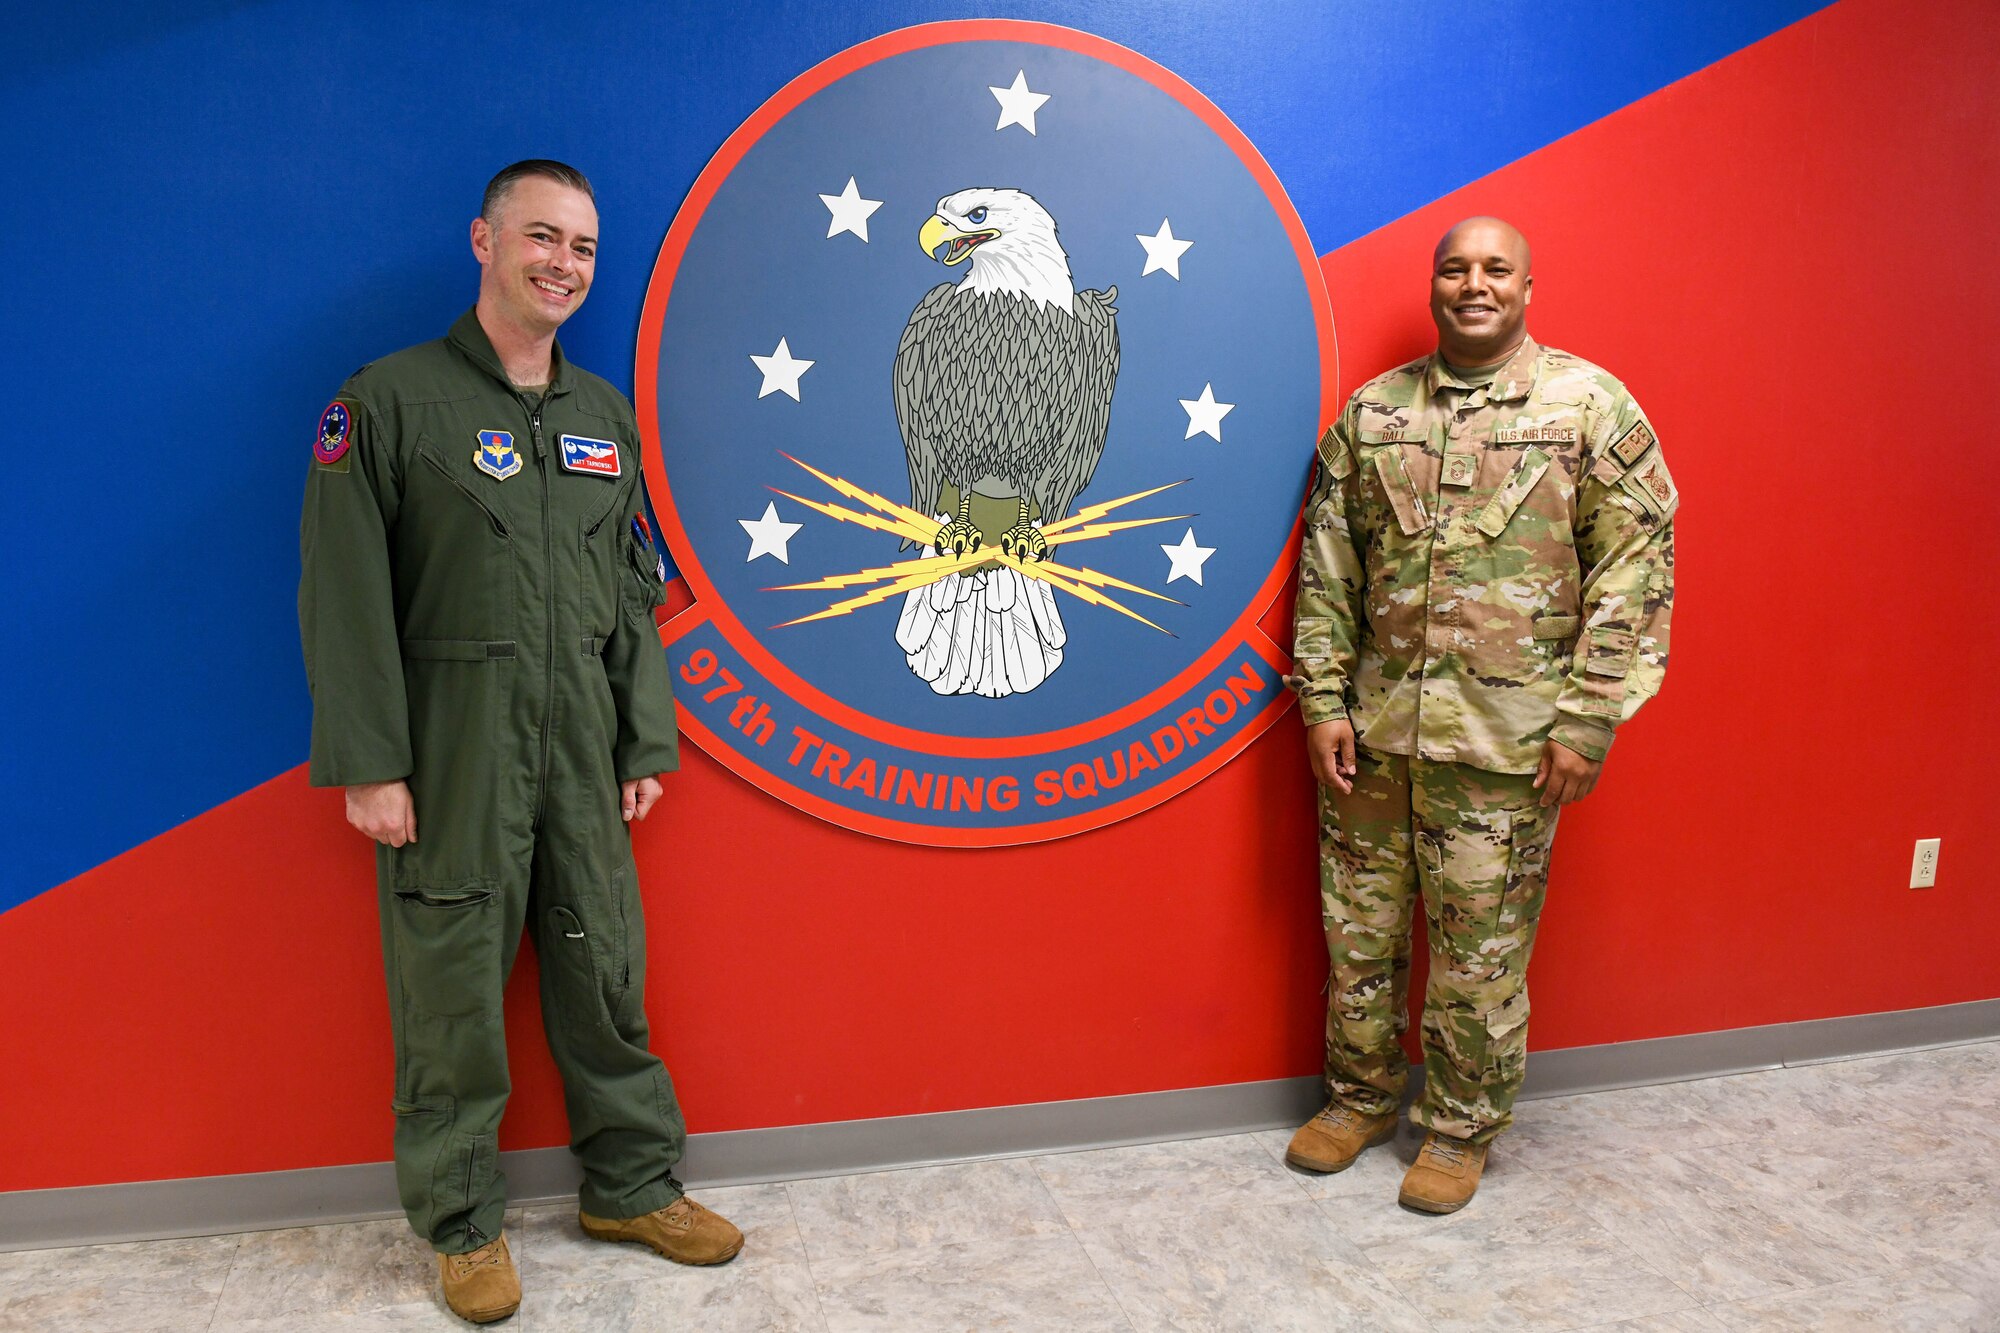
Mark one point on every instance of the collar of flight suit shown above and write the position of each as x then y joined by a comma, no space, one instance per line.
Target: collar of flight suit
1513,381
469,337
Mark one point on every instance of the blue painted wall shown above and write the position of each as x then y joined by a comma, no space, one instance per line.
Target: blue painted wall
222,209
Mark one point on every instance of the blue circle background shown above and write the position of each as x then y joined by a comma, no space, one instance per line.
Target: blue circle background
1111,157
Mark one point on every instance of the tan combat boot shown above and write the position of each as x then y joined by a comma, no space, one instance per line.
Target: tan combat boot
1331,1140
683,1231
481,1286
1445,1175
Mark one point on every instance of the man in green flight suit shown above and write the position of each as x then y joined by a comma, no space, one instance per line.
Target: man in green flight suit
1484,596
477,614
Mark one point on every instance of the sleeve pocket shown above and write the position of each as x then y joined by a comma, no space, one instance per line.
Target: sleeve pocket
1313,637
1610,652
645,573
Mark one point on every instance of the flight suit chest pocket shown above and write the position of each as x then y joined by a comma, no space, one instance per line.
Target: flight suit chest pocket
1383,454
1519,484
454,488
599,567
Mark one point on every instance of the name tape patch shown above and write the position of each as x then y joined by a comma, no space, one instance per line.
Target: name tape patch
597,457
1535,435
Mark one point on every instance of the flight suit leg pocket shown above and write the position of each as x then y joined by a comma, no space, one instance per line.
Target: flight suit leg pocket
449,952
583,960
423,1132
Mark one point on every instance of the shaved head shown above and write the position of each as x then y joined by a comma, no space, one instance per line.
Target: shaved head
1480,289
1493,235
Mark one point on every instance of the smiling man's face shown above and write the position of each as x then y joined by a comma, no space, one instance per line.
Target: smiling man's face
1480,289
540,254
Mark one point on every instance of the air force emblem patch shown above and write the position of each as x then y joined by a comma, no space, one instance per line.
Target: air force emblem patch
599,458
335,434
1026,475
496,455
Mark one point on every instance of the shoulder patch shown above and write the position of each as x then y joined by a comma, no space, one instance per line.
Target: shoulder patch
1632,446
1653,487
1337,461
334,436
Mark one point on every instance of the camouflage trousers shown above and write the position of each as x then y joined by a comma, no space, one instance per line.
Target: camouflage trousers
1476,845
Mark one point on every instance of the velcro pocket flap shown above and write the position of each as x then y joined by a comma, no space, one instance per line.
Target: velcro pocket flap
1395,478
1610,652
1555,627
457,650
1520,482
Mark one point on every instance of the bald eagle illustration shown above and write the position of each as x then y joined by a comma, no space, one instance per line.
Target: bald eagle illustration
1003,384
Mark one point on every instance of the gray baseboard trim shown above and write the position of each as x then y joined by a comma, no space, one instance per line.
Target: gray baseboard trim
214,1205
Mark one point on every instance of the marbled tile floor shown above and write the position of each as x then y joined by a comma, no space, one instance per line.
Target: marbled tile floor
1858,1195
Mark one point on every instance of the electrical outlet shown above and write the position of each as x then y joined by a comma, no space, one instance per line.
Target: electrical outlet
1923,866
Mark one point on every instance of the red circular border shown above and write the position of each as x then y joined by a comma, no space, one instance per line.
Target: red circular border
709,605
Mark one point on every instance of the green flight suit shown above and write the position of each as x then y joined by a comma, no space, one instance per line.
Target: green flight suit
478,619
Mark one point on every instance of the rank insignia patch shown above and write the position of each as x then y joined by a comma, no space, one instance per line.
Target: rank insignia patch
597,457
336,433
496,456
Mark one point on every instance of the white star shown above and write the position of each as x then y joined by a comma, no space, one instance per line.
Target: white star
1017,104
1187,558
850,211
769,535
1204,414
1163,251
782,370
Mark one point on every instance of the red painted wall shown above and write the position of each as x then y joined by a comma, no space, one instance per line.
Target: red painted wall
1786,256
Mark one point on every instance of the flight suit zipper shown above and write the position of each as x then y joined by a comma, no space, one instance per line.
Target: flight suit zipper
549,596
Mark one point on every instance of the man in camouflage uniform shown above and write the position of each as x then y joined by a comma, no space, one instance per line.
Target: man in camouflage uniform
1484,597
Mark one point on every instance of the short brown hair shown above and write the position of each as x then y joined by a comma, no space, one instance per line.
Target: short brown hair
501,185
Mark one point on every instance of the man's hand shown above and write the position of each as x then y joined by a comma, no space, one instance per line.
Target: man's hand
635,798
385,811
1330,746
1564,775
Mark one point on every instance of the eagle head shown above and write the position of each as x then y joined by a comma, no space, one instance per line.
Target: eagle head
1010,240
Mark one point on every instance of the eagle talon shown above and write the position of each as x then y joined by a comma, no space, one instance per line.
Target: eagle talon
1025,541
957,537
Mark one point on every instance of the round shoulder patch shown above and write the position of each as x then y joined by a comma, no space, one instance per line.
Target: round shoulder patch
336,431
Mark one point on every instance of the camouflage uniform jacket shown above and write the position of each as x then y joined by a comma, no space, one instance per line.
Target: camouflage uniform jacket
1486,568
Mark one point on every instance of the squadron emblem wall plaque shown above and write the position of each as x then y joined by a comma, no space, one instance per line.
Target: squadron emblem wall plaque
981,371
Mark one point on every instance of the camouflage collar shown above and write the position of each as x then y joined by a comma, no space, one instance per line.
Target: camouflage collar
468,337
1513,381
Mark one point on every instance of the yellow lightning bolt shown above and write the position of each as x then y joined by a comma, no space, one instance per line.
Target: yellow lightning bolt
908,575
1090,513
1080,590
922,526
942,564
908,583
875,521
